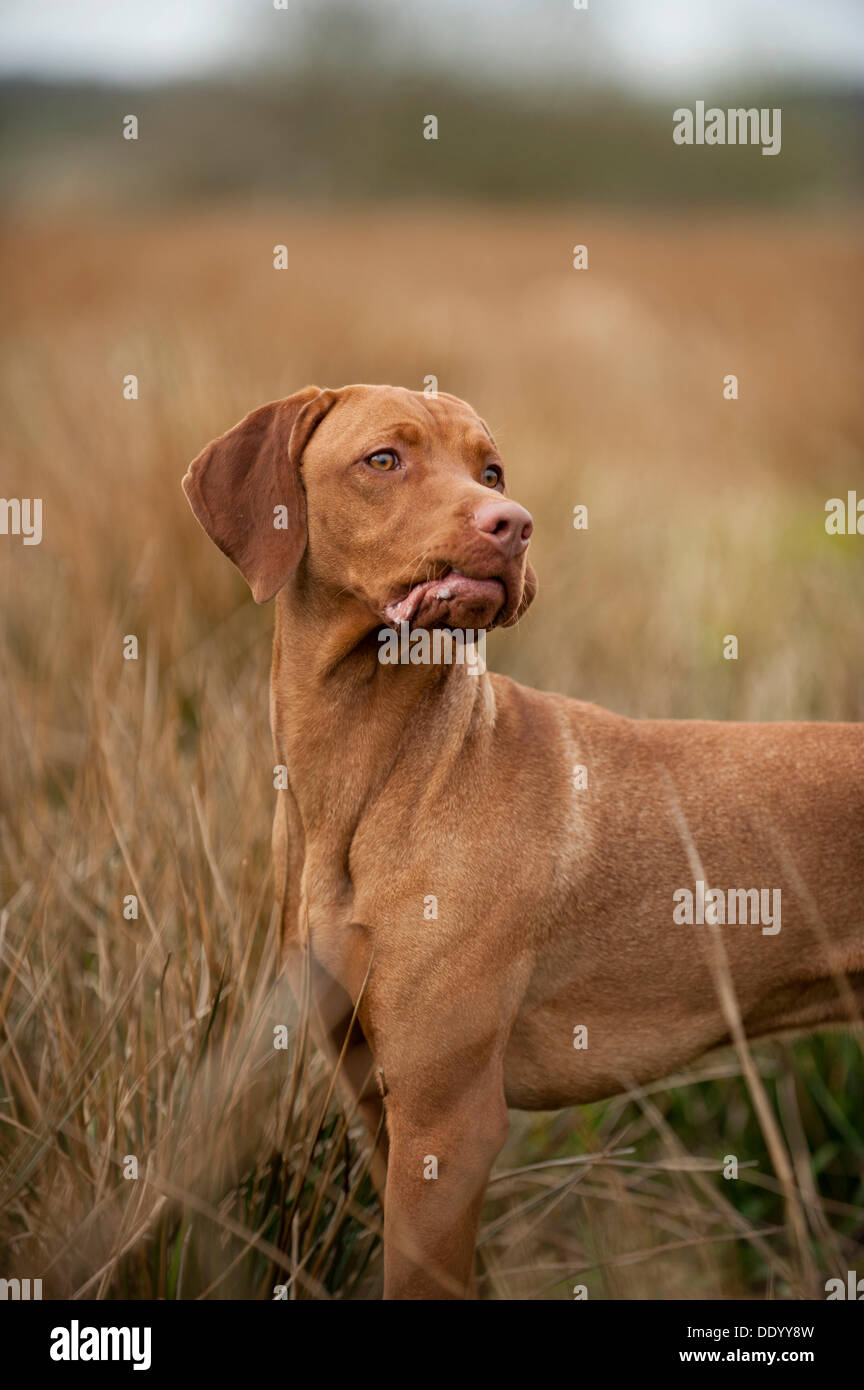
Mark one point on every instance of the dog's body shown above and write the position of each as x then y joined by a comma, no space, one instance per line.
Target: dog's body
491,871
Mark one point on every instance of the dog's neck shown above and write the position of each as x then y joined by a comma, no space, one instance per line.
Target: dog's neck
342,720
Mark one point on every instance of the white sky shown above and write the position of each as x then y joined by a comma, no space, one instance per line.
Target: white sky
650,44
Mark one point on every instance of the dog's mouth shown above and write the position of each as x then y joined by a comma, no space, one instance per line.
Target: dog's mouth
453,600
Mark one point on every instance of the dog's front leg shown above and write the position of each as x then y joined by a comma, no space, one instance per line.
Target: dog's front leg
443,1142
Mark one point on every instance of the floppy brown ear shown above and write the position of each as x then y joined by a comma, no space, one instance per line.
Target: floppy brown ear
529,590
246,491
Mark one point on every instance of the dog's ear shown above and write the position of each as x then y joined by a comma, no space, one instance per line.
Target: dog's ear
246,491
529,591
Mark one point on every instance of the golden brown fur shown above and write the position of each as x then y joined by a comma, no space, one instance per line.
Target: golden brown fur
554,900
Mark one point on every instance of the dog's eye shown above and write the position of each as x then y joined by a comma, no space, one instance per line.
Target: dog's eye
383,460
491,475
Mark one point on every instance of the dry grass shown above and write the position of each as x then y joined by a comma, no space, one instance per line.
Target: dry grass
153,1037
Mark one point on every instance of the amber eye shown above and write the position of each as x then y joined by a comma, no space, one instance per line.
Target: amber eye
491,475
383,460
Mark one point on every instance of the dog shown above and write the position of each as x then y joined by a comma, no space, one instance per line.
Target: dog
502,898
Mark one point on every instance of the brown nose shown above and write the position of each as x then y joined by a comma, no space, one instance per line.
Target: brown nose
507,525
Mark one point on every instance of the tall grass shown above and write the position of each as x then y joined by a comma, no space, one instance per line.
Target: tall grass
153,1037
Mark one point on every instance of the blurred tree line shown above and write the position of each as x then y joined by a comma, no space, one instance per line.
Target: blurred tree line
326,131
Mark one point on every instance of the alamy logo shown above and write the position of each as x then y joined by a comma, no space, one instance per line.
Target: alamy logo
77,1343
20,1289
719,908
845,518
21,516
853,1287
440,647
734,127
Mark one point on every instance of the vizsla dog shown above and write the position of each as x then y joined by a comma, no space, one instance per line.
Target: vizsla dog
529,901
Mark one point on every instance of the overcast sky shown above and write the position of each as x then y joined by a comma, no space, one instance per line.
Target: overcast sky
662,45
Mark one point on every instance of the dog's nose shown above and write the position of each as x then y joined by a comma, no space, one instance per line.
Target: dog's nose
507,525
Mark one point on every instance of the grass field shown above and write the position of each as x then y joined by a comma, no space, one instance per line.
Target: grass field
151,1038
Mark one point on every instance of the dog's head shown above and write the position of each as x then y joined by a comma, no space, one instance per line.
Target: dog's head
387,495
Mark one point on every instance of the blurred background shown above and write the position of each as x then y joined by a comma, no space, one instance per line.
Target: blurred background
406,257
536,100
